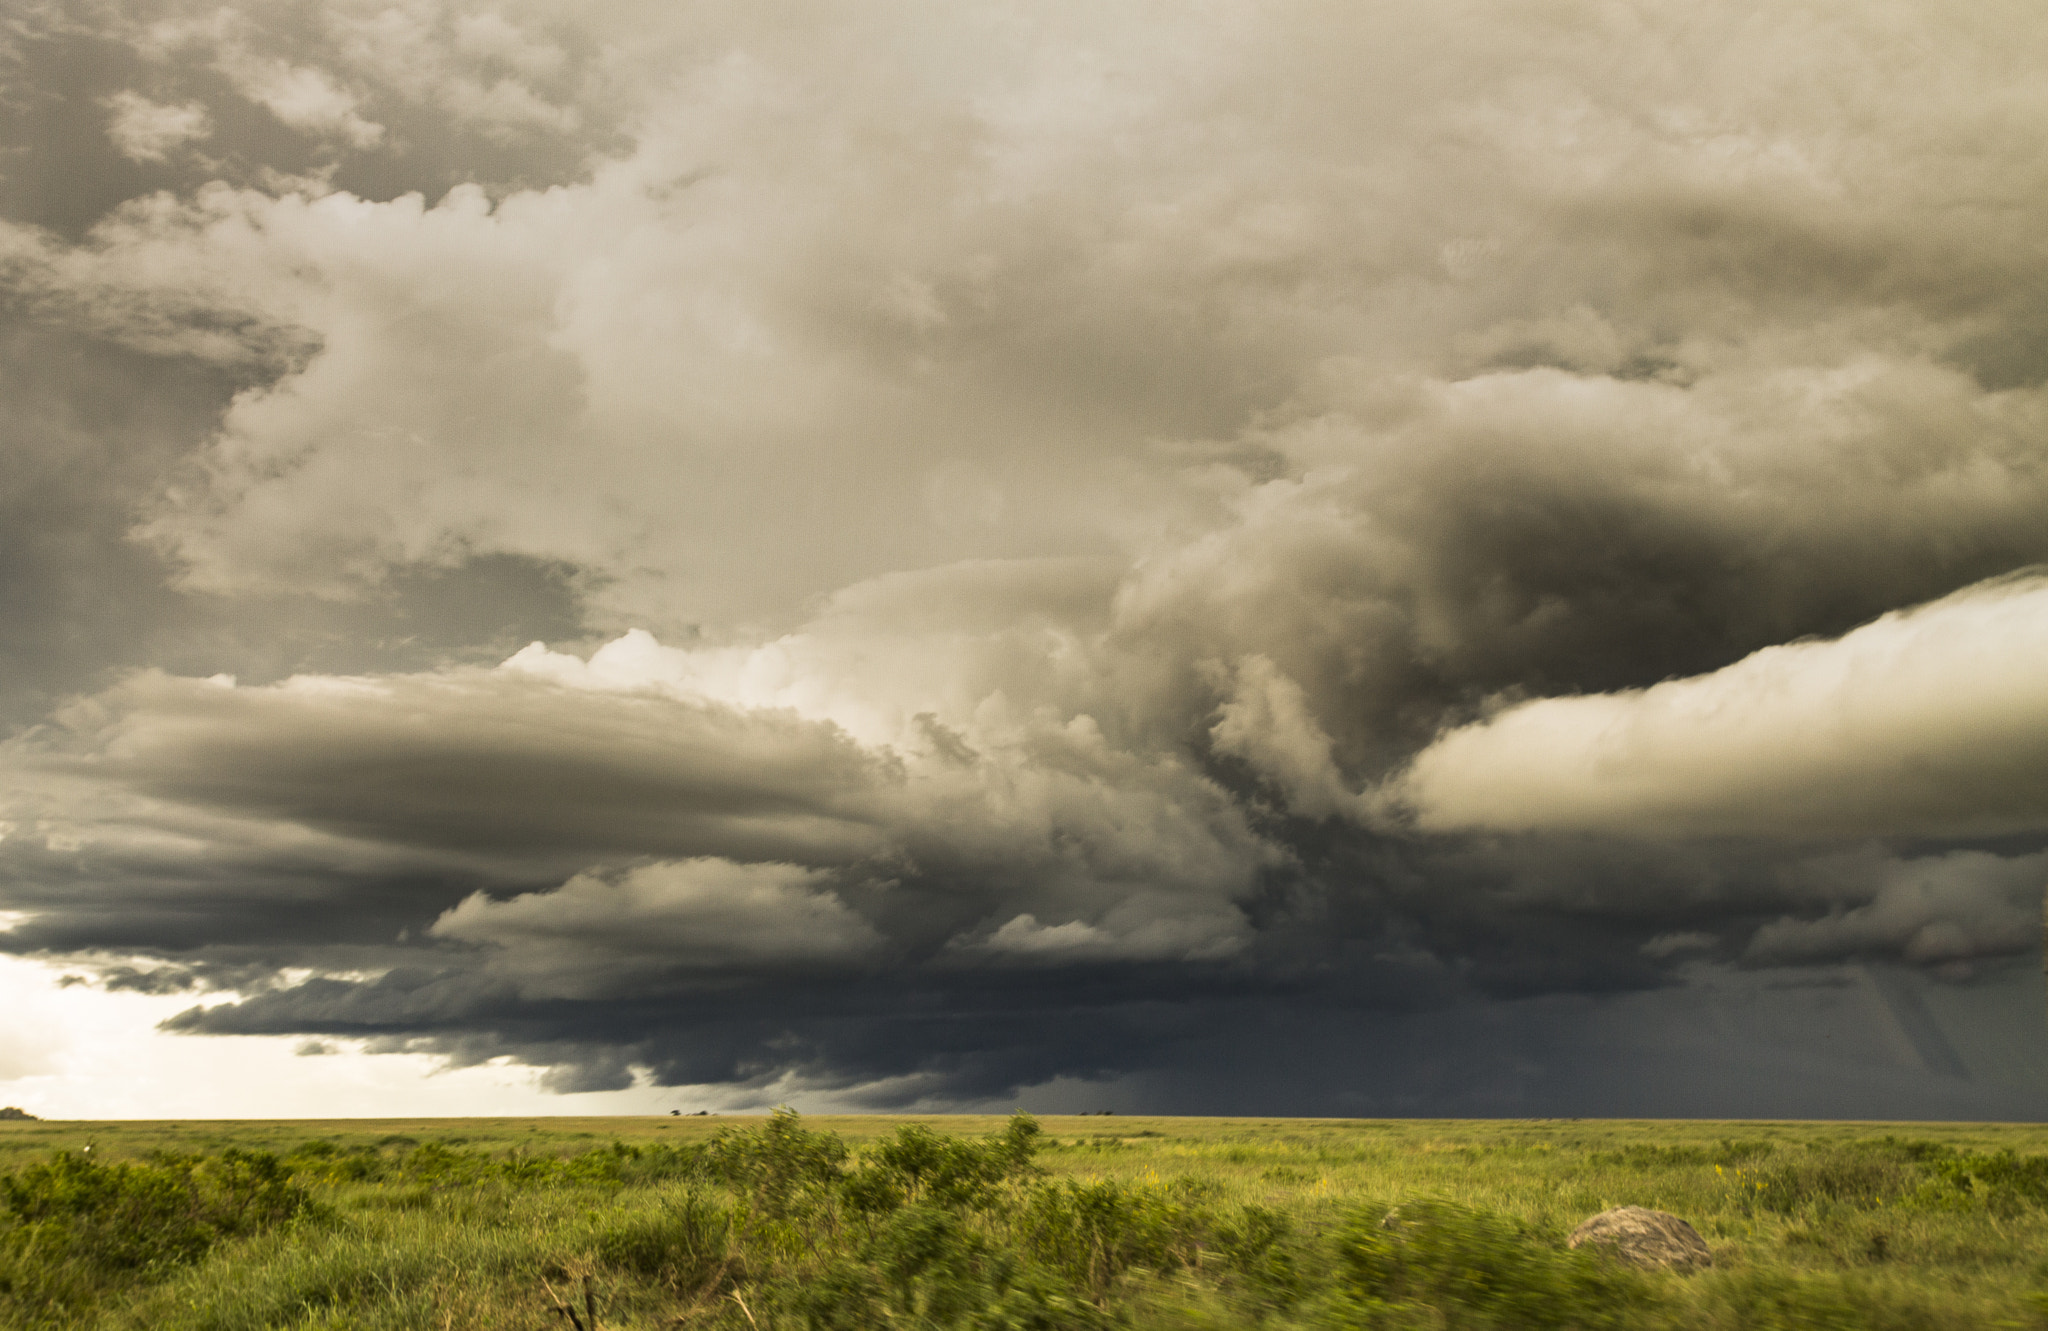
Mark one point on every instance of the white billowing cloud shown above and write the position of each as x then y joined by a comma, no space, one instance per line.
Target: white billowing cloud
492,36
147,131
488,68
1059,287
1440,540
303,97
1957,907
1134,931
642,336
1929,722
980,644
1307,420
673,921
142,284
1268,724
478,66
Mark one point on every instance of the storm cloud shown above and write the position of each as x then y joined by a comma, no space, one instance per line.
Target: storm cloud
1928,722
937,555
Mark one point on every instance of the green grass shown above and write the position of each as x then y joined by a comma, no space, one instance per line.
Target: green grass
829,1222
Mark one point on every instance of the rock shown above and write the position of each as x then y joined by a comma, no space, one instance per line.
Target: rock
1656,1240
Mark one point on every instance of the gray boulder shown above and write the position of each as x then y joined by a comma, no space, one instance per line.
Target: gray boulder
1655,1240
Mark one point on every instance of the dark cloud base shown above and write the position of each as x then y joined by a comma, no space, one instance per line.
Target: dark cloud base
1836,1043
1478,982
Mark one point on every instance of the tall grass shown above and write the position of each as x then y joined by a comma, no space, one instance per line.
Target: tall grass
786,1224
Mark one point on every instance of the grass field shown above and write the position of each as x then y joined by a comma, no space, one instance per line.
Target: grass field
831,1222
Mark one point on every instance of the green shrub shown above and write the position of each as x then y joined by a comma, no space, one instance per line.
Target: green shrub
1728,1151
136,1216
926,1266
777,1163
1258,1248
1779,1301
431,1162
1092,1233
918,1165
1864,1175
325,1162
1476,1270
779,1226
687,1244
74,1226
2002,1182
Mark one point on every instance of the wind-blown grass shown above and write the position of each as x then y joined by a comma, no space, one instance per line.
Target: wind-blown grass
1065,1223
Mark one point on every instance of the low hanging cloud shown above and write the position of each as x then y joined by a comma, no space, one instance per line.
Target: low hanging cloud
959,865
933,831
1927,722
487,763
1158,929
672,921
1961,907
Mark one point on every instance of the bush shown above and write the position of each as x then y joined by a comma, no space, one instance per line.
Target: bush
688,1244
2003,1182
779,1226
1258,1249
75,1225
1778,1301
1480,1270
130,1217
1728,1151
918,1165
777,1162
1862,1175
1092,1233
324,1162
926,1266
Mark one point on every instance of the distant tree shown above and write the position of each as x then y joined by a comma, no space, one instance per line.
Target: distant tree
12,1112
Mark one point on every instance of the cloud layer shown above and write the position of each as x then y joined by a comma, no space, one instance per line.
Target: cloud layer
1927,722
1054,530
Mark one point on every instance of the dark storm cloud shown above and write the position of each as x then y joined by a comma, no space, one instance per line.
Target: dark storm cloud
489,764
905,956
1525,532
1958,907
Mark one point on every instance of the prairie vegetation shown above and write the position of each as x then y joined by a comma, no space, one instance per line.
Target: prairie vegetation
731,1223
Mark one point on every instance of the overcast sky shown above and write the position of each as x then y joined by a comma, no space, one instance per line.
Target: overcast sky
1306,558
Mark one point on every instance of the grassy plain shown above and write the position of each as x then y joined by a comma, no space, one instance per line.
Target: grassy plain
944,1221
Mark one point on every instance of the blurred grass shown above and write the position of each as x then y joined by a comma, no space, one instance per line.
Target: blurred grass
1145,1222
